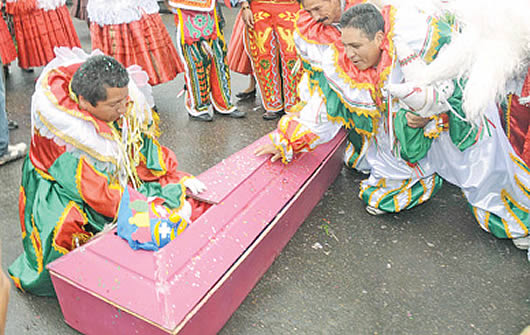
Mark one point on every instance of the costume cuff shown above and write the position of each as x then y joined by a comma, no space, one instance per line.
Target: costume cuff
283,145
434,128
293,136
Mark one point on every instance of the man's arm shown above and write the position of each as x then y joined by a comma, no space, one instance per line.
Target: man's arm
301,130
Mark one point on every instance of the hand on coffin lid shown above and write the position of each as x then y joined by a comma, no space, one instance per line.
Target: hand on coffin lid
267,149
194,185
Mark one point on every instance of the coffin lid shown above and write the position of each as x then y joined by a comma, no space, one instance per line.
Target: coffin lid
163,287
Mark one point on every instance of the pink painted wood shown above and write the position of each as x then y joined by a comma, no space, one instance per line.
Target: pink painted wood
196,282
225,176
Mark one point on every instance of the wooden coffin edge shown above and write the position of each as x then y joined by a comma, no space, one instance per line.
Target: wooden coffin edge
244,256
99,297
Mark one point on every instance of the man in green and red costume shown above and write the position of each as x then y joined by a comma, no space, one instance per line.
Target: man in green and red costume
337,92
93,135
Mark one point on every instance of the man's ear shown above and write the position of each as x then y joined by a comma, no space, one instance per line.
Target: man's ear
379,38
84,104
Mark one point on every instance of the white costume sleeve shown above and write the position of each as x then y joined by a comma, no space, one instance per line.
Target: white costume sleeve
304,131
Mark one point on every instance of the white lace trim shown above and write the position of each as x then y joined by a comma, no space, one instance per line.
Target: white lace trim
149,6
104,12
50,4
45,4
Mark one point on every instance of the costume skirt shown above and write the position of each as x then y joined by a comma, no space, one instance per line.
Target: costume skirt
8,52
145,42
237,58
38,31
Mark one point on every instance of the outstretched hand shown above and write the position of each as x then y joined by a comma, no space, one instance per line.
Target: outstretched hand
267,149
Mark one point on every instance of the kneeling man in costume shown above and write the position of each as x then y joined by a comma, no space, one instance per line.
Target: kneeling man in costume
94,135
424,126
336,92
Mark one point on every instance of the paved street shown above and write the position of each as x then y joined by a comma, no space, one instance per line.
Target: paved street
430,270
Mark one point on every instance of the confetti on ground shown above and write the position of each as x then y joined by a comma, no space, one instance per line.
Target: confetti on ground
316,246
325,227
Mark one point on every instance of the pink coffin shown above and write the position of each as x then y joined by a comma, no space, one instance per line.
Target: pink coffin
195,283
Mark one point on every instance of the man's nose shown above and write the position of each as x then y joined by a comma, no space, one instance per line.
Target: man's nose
122,108
350,53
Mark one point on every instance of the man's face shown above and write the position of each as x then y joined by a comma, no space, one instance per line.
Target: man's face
324,11
363,52
110,109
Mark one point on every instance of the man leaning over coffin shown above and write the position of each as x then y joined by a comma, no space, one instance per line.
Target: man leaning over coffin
417,133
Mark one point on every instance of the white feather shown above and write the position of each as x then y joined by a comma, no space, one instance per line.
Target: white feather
431,7
492,48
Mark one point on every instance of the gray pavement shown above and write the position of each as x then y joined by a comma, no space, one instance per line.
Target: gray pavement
430,270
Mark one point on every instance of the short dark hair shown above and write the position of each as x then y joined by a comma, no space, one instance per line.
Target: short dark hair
365,17
95,75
